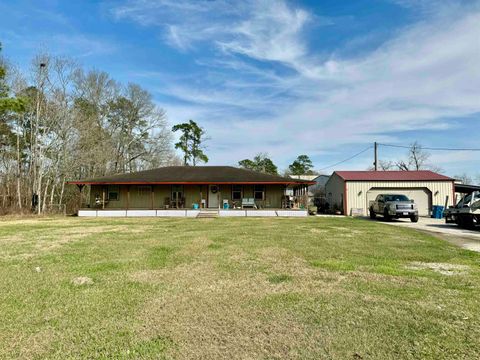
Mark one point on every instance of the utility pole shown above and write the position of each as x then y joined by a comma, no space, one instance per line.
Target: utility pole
375,161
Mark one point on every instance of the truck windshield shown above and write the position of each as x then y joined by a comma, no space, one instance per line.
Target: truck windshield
396,198
468,198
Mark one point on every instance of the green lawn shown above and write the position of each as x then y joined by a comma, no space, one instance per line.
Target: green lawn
313,288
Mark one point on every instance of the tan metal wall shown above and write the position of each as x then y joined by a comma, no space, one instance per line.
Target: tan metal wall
357,191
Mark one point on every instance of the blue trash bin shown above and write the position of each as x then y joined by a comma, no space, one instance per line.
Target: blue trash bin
440,212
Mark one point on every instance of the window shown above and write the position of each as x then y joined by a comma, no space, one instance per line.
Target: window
113,193
177,192
236,192
259,192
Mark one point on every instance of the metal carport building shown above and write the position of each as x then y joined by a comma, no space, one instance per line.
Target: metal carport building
352,191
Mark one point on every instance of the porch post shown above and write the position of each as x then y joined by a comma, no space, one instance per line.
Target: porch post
152,195
103,197
201,197
80,188
128,196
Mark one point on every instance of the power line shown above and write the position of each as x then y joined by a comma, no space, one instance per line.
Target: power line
431,148
350,158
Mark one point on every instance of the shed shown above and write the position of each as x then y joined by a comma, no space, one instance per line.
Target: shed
352,191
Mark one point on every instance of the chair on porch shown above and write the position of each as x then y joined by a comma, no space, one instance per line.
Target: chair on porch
248,202
177,203
287,202
166,203
99,202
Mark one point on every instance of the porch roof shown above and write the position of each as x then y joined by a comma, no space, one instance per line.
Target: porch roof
193,175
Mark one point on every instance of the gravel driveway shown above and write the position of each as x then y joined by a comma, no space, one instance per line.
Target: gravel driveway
467,239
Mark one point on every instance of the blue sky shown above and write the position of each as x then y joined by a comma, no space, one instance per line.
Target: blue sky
324,78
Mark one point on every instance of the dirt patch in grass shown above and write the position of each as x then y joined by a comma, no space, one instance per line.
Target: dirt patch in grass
441,268
37,344
318,231
82,280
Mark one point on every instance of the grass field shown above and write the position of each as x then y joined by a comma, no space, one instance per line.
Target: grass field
310,288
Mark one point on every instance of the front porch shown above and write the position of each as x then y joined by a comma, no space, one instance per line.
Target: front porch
195,197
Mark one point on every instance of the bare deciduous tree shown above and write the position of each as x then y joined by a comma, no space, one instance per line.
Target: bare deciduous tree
75,124
417,159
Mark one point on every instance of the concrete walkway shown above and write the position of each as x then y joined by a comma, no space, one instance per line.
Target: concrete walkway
467,239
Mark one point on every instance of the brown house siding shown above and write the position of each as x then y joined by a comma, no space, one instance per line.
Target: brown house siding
140,196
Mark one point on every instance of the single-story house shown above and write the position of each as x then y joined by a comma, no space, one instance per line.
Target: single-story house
192,187
352,191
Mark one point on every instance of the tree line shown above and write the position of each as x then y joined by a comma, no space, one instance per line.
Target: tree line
59,121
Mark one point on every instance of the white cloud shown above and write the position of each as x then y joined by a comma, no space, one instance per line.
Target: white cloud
425,75
272,32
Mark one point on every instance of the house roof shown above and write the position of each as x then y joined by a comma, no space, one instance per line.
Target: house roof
193,175
421,175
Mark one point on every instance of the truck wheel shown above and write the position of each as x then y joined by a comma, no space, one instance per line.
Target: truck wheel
414,218
468,222
459,221
372,214
386,216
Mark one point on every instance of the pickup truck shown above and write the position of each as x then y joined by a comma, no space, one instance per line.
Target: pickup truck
393,206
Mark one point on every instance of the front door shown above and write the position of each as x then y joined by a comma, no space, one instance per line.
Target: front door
213,196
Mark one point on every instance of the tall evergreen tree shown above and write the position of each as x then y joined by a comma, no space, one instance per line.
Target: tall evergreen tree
190,142
301,166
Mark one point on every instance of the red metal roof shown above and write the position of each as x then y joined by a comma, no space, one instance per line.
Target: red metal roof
421,175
